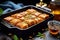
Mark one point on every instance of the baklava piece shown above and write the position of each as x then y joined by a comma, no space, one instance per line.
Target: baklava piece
15,21
22,18
31,10
38,20
17,15
30,22
44,16
24,13
32,17
8,18
22,25
36,14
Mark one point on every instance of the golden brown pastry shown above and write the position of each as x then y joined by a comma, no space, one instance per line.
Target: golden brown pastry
22,25
17,15
14,15
8,18
37,14
31,10
44,16
32,16
27,16
15,21
38,20
30,22
24,13
22,18
34,21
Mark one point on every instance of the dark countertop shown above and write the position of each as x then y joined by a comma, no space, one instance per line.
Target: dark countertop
48,37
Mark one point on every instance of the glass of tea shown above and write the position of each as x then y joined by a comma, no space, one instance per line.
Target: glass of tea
54,27
55,7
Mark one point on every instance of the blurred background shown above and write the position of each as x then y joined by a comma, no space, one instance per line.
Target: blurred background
27,2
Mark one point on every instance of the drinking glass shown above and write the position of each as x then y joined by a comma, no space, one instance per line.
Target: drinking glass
54,27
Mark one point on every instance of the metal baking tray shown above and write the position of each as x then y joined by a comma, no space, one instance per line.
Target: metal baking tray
29,30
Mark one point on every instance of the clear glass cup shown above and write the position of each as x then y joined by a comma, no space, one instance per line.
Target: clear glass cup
54,27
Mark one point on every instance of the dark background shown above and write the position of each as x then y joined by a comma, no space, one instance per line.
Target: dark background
27,2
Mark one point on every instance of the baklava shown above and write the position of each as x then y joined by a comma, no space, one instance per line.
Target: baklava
26,18
22,25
